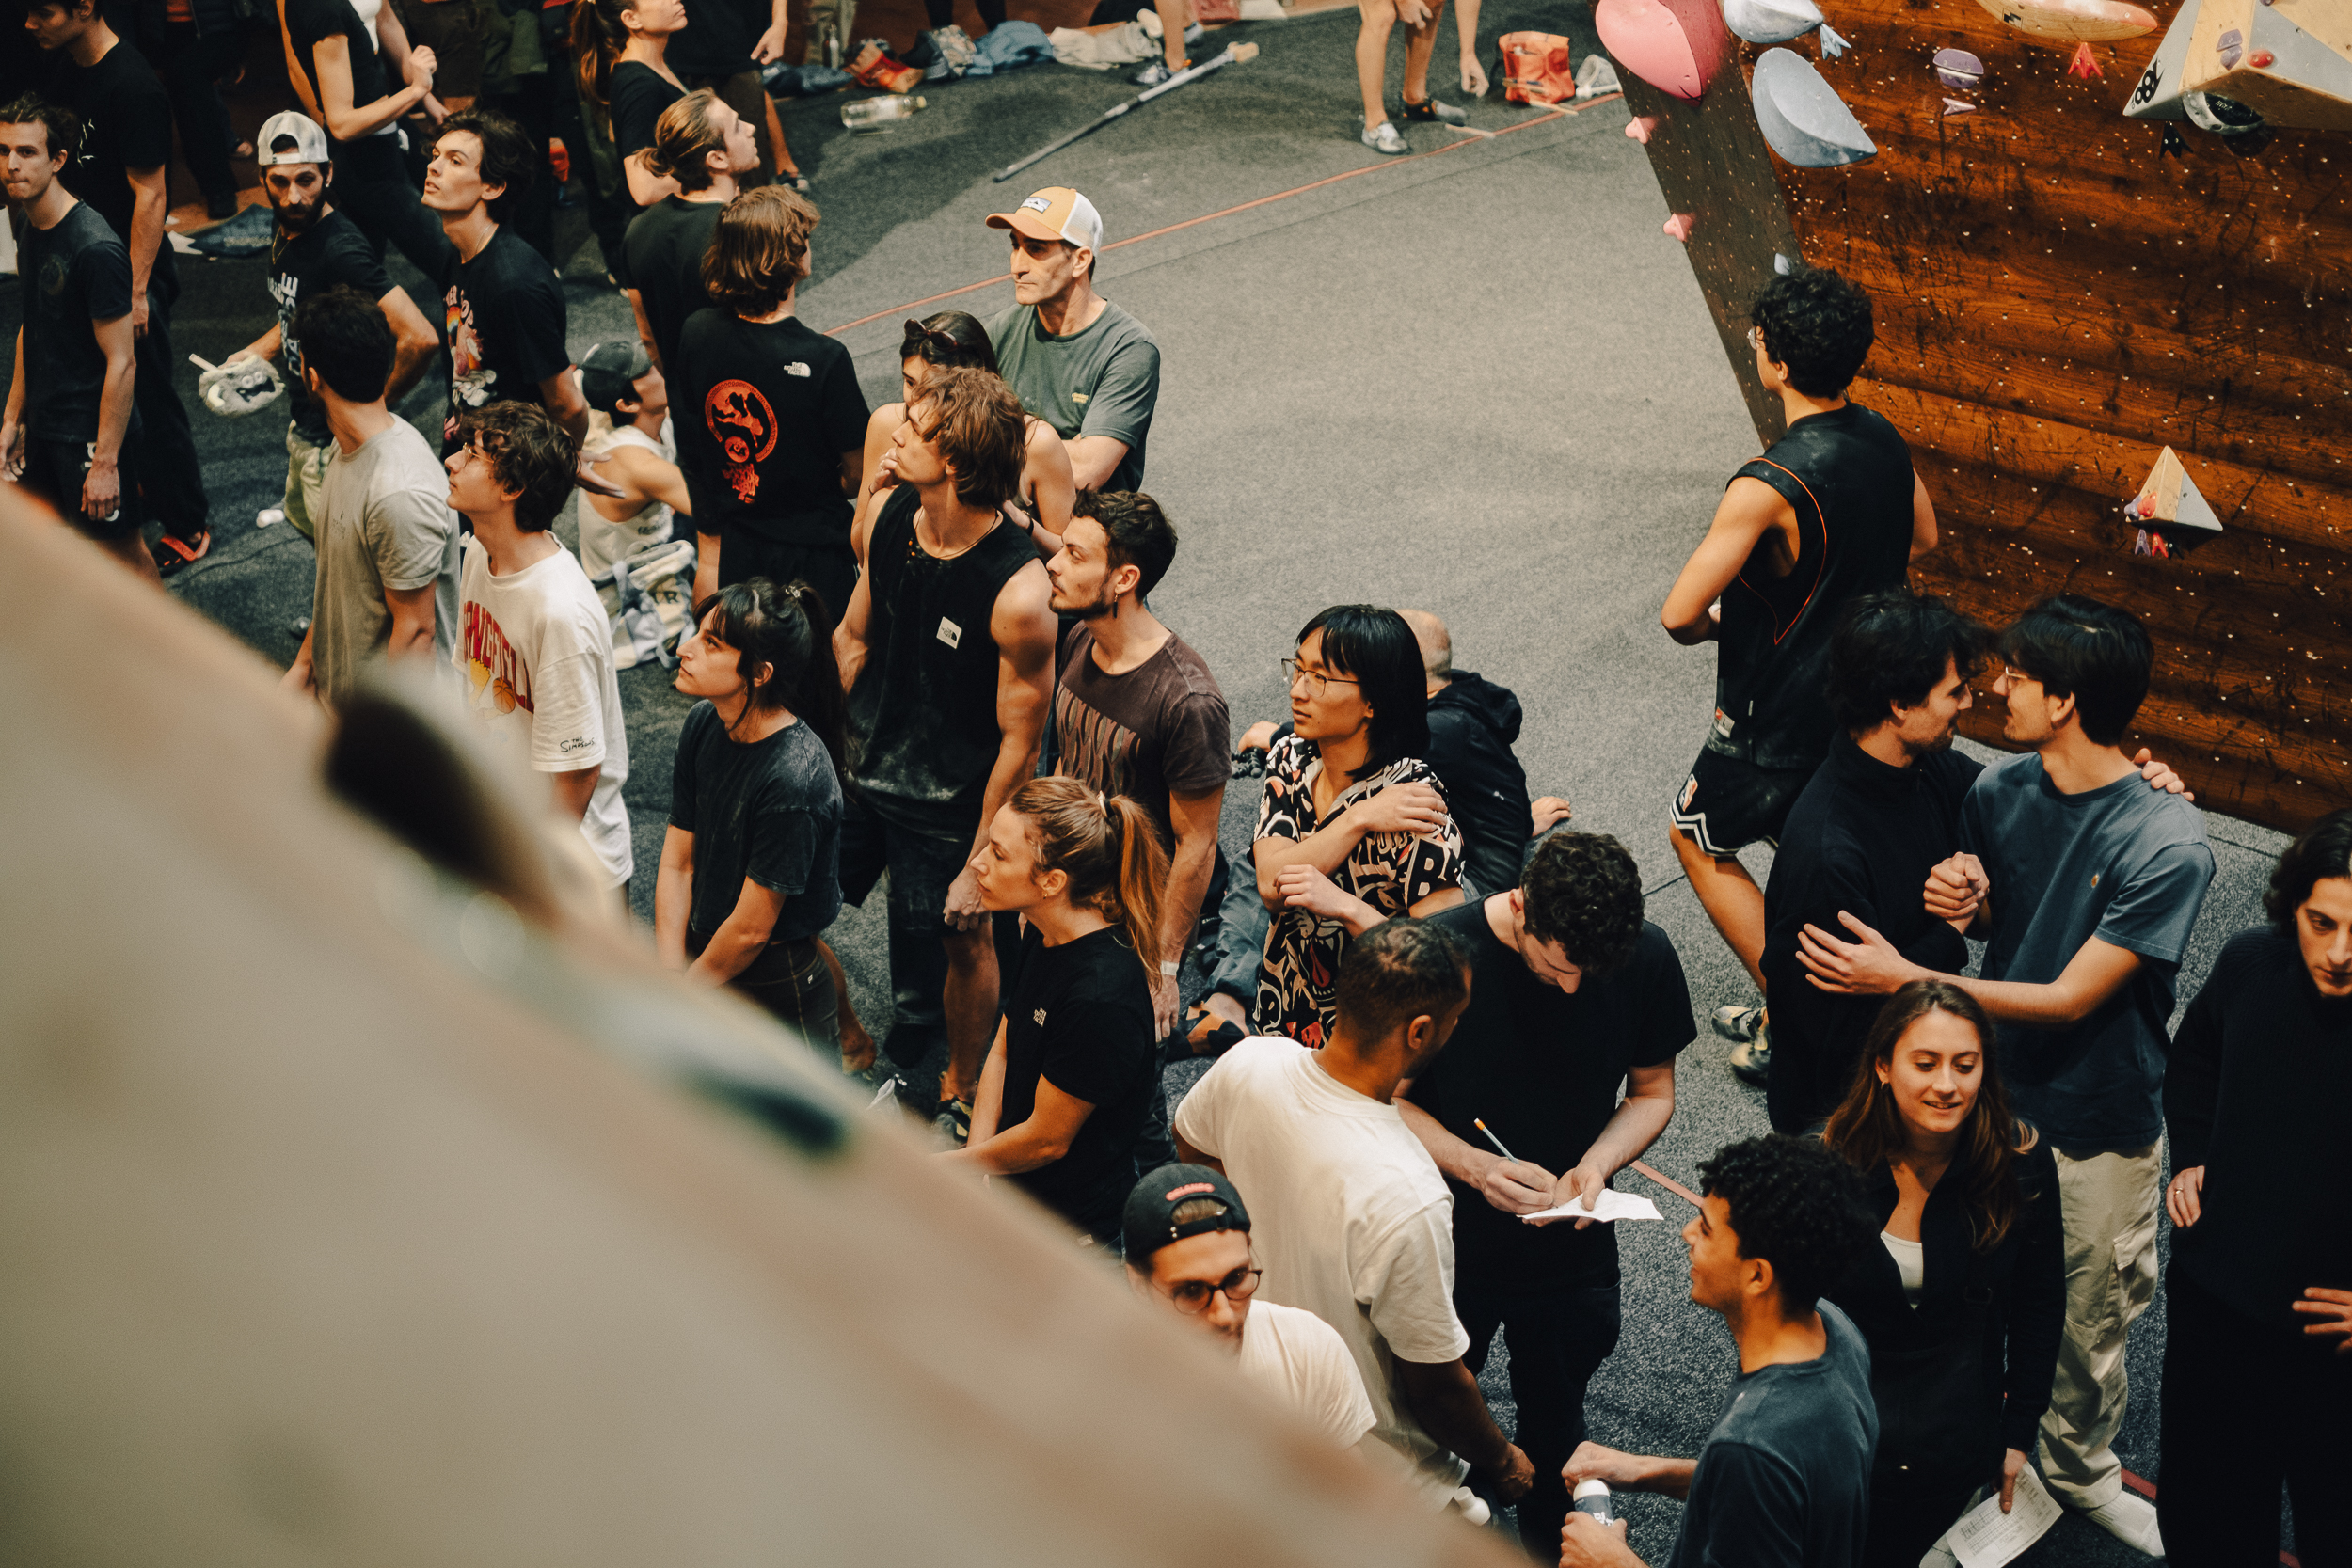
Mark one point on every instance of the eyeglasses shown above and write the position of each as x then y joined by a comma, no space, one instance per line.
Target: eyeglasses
2009,678
1192,1296
1293,672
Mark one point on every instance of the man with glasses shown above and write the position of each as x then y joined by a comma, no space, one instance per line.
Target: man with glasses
2086,883
1834,510
1188,1239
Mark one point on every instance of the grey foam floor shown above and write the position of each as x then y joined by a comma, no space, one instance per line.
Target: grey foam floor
1482,383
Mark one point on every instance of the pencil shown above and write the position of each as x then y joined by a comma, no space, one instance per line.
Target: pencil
1492,1139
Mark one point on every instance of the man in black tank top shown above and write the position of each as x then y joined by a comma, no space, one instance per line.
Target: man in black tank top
1832,512
947,651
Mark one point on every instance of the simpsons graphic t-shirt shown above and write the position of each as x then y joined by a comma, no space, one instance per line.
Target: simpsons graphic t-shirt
537,657
502,314
764,412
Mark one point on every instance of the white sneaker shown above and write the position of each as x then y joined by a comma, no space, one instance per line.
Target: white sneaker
2130,1519
1384,138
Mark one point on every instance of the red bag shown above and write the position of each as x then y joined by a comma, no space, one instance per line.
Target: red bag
1213,12
1536,68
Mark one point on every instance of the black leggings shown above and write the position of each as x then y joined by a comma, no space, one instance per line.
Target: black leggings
943,11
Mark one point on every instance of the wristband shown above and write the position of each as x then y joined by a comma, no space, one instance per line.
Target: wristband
1168,968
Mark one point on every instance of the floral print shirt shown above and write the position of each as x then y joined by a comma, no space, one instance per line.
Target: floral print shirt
1298,978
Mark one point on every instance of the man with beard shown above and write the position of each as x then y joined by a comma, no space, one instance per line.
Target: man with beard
315,248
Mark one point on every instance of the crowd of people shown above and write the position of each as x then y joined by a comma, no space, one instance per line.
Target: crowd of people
922,655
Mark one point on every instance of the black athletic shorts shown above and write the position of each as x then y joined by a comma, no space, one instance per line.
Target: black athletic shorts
54,471
921,864
1727,804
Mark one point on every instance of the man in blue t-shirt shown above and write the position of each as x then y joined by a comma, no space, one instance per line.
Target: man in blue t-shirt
1784,1478
2086,883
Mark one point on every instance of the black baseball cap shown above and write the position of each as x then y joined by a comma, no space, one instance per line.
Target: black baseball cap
609,372
1150,1222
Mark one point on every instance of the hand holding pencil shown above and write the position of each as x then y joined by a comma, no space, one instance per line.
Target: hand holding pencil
1511,1184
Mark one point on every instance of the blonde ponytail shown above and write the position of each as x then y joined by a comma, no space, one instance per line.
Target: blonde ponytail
1108,848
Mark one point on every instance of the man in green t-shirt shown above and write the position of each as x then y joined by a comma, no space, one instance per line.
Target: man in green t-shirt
1077,361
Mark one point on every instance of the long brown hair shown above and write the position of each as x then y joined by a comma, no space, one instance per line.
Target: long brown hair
598,36
1108,848
758,250
1868,1130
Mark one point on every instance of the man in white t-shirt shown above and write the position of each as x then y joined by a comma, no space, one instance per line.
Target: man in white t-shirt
1354,1224
1188,1239
532,635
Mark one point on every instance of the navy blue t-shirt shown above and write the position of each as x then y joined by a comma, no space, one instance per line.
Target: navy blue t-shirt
2125,863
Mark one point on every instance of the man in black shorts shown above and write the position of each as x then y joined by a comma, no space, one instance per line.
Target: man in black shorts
947,652
119,170
68,415
1834,510
1574,995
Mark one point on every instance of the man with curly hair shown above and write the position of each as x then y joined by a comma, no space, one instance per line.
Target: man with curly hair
1834,510
1574,994
1783,1479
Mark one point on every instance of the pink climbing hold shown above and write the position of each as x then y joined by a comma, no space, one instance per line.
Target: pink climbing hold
2084,65
1639,127
1679,225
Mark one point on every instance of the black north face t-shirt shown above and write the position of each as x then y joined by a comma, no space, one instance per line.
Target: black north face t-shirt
1080,1017
763,412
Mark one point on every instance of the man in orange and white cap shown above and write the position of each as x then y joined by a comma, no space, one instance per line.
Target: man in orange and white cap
1077,361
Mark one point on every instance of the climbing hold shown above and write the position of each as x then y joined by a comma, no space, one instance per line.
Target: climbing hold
1957,68
1783,265
1673,46
1639,127
1802,116
2174,146
2068,20
2263,60
2157,94
1953,107
1771,21
1681,225
2085,64
1832,45
2173,516
2224,117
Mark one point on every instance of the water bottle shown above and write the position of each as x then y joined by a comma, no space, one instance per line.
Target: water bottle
1590,1497
869,114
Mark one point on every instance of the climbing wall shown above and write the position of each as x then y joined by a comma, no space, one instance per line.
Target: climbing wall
2059,300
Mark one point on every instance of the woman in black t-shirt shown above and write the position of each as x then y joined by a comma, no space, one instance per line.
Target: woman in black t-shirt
1070,1077
1965,1301
621,49
749,871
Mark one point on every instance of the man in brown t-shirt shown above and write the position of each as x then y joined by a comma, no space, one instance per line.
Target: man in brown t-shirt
1136,711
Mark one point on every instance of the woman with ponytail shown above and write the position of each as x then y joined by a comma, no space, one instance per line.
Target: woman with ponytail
750,867
1071,1073
1965,1301
621,47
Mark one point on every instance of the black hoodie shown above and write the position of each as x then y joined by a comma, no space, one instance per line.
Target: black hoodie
1472,726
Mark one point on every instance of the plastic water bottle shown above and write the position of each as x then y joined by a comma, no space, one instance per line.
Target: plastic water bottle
868,114
1591,1496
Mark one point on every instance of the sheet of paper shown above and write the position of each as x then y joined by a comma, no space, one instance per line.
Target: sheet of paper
1614,1206
1987,1538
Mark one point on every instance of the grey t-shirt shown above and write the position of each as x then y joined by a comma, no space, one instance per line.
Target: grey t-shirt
1101,381
2125,863
384,523
1784,1480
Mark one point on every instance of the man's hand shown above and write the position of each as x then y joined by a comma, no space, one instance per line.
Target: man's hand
1548,811
1869,967
101,490
964,910
2184,1199
1515,1479
1583,1184
1414,808
1620,1472
2012,1465
594,483
1415,14
1165,1004
1956,885
1258,736
2330,1312
12,449
1586,1543
138,314
769,46
2160,775
1515,1186
1474,74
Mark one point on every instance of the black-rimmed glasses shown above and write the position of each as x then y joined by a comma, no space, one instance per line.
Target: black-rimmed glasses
1192,1297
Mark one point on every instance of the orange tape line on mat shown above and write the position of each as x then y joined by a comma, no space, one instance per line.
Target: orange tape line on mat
1668,1182
1211,217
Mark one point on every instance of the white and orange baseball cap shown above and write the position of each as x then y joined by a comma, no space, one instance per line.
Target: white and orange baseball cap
1056,213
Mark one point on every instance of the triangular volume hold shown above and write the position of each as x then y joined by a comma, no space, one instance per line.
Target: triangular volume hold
2170,500
1802,116
2290,63
2157,94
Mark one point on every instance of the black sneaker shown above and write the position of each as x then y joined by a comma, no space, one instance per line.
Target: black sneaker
1429,108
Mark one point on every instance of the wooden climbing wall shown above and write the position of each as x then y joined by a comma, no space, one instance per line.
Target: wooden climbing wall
2056,302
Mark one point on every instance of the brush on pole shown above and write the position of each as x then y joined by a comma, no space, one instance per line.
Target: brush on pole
1231,55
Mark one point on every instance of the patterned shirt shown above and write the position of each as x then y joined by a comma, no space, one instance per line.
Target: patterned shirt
1298,979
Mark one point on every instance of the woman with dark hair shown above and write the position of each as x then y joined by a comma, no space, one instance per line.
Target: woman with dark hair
749,871
1070,1079
1353,828
953,340
1965,1301
622,48
2258,1297
768,413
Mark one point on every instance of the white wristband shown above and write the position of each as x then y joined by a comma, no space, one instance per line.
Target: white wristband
1168,968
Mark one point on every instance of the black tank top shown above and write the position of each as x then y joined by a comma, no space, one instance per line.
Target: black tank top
924,711
1847,474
